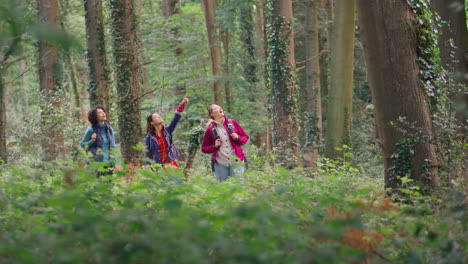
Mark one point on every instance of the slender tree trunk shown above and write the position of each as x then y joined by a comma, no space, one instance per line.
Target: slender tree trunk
127,77
209,7
340,96
282,78
325,50
311,101
227,70
69,64
3,123
390,49
453,11
170,8
96,54
49,78
142,52
265,138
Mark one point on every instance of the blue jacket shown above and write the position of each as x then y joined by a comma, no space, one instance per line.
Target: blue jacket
151,143
100,151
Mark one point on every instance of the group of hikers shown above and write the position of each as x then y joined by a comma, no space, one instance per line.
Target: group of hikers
223,139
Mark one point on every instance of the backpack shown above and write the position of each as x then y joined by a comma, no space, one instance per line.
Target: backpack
216,135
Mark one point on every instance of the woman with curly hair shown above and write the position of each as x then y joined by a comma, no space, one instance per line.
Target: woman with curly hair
99,139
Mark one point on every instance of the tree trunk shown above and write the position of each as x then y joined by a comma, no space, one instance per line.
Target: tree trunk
142,52
340,96
390,49
265,138
453,11
311,104
3,147
209,7
325,49
49,78
170,8
281,64
227,70
127,77
96,54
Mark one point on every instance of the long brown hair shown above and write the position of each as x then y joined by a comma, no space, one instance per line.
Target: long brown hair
150,129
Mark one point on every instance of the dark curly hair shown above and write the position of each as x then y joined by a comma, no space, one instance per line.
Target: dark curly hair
149,127
92,114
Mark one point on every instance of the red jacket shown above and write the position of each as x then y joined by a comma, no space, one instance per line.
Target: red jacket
208,144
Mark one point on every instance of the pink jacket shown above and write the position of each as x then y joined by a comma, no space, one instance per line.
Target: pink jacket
208,144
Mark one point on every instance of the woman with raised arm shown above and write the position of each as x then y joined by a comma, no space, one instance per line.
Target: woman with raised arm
223,139
158,141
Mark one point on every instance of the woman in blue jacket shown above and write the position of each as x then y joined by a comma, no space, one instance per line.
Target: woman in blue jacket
99,139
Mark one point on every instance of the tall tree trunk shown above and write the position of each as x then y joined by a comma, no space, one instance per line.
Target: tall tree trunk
142,52
49,78
264,138
453,11
170,8
227,70
390,48
340,96
325,49
209,7
3,147
311,104
69,64
282,80
96,54
127,77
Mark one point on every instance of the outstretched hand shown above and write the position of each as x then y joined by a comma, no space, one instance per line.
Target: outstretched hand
185,100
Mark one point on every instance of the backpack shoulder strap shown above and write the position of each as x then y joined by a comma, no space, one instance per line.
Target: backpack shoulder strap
230,127
215,132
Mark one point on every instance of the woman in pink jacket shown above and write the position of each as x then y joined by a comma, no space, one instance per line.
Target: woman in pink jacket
223,139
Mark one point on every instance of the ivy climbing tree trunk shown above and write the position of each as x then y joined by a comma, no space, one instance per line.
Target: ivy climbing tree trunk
282,79
209,7
311,105
96,54
50,85
340,96
390,49
127,77
453,11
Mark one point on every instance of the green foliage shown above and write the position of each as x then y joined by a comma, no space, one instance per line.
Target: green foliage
63,214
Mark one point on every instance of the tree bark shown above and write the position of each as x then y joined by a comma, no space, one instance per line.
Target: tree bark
96,54
311,103
453,11
127,77
209,7
227,70
265,138
390,49
142,52
339,105
49,78
283,80
3,147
